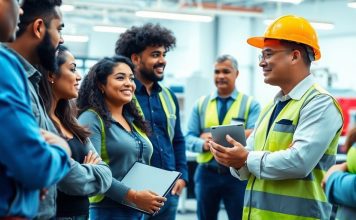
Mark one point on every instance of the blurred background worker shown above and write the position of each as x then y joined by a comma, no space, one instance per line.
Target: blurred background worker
296,135
213,182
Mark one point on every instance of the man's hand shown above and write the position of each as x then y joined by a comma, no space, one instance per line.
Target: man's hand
337,167
54,139
178,187
206,137
231,157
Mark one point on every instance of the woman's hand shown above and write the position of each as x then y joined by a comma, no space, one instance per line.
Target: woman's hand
91,158
146,200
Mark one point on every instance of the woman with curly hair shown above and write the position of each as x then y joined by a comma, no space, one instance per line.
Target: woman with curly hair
89,174
118,130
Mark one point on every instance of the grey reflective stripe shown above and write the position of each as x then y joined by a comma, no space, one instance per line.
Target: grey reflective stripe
284,128
287,205
326,162
242,110
202,111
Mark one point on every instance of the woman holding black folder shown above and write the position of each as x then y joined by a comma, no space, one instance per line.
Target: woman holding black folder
119,134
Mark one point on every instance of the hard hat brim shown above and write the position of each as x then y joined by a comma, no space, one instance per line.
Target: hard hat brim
258,42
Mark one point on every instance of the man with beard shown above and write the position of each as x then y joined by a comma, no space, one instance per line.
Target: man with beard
147,47
24,170
213,181
36,44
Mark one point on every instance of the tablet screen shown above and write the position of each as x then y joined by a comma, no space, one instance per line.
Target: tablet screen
236,131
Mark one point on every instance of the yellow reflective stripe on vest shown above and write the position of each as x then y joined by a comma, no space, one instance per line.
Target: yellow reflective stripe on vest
169,108
208,115
104,154
294,198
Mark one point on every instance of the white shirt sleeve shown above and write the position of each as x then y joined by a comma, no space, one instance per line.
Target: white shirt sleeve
319,121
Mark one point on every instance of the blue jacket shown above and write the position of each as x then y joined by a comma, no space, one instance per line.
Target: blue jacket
341,190
27,162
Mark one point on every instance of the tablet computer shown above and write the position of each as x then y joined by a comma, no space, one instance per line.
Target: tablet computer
236,131
144,177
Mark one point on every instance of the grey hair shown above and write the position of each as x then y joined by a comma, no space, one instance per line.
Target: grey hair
225,57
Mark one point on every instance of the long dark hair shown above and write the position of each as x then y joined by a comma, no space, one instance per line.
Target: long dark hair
91,97
65,110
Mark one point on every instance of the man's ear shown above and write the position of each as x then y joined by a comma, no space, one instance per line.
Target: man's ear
39,28
135,58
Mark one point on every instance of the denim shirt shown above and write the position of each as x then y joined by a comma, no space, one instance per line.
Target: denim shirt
166,154
21,144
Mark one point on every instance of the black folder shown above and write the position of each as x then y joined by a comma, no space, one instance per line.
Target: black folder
145,177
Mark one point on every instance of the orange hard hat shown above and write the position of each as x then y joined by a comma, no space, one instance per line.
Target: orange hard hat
290,28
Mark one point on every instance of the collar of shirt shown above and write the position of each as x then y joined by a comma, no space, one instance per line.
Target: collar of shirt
30,70
298,91
233,95
141,89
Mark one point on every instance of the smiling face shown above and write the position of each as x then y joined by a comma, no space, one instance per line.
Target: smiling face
275,63
66,84
120,86
151,63
224,77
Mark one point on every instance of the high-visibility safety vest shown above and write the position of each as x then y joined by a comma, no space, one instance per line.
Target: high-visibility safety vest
208,116
292,198
104,152
169,109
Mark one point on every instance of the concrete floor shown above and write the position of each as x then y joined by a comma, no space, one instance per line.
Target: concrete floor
189,211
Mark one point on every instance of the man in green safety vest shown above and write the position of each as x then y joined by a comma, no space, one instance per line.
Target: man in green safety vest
226,105
295,138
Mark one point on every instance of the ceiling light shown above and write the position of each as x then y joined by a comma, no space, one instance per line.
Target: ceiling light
351,4
287,1
316,24
174,16
76,38
109,29
67,8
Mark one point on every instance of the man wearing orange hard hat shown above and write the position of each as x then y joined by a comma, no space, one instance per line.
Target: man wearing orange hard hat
295,138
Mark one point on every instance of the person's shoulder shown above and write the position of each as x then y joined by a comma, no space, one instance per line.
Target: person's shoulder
8,57
88,116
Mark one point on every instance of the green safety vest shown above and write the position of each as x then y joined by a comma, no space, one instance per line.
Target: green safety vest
104,153
351,159
169,108
292,198
208,116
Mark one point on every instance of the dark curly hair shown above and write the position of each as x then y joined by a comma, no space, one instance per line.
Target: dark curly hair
91,97
34,9
65,110
136,39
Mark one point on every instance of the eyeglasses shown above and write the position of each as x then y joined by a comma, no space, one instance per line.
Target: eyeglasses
267,54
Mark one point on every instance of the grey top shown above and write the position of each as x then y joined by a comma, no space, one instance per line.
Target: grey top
81,179
123,150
